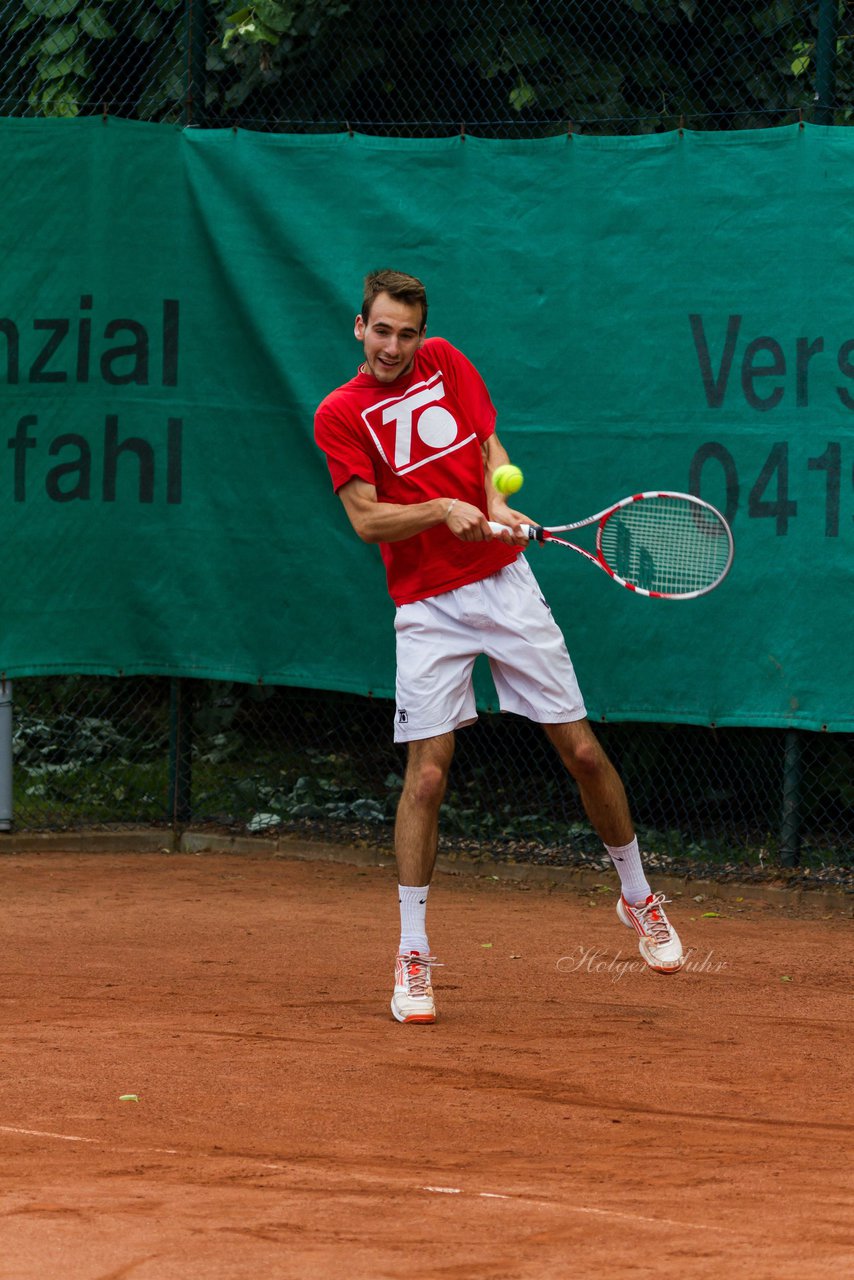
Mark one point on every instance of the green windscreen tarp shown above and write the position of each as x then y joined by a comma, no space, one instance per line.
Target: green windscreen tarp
671,311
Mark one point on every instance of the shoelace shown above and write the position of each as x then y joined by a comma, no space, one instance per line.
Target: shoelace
654,921
418,973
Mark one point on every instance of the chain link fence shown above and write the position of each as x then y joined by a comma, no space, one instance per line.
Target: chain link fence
110,752
511,69
266,760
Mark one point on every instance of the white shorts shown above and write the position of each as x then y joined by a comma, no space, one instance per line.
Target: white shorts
503,616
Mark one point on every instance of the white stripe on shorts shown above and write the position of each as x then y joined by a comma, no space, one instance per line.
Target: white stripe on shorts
506,618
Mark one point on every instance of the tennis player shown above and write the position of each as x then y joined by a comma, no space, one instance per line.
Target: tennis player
411,446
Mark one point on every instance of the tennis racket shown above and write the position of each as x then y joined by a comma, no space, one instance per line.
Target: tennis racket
672,546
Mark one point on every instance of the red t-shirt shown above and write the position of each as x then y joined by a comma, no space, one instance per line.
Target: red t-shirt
417,438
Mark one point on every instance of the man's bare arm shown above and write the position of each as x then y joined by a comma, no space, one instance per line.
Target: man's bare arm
376,521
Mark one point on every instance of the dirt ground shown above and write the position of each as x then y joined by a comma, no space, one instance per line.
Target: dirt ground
569,1115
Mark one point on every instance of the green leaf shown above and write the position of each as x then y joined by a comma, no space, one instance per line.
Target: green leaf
59,40
75,63
278,17
52,90
522,96
256,32
799,66
51,8
147,27
249,25
57,99
66,105
94,24
21,23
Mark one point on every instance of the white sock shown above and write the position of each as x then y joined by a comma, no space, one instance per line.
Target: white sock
413,916
627,860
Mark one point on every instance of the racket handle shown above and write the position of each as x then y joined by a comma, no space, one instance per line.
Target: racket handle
532,531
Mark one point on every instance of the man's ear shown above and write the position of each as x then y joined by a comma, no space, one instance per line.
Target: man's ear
359,328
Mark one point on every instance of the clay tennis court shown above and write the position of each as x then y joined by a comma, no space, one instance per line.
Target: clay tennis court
566,1115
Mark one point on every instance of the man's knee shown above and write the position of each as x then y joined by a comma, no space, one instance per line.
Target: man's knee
581,753
425,784
587,761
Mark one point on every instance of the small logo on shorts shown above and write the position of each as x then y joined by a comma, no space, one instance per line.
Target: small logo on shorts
402,717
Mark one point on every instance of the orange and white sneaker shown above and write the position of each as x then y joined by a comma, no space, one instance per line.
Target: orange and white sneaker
658,941
413,994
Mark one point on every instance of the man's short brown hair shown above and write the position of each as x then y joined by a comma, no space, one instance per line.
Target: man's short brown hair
398,285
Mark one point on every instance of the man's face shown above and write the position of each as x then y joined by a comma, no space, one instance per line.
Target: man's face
390,337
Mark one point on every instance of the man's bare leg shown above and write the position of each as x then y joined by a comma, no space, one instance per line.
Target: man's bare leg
416,830
602,791
416,836
604,799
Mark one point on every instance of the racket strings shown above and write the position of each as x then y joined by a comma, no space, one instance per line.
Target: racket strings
666,544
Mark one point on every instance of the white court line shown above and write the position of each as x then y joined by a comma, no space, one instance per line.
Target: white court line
73,1137
577,1208
39,1133
639,1217
447,1191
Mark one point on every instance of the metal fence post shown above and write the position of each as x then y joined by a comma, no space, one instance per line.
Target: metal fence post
790,826
195,16
5,755
825,62
180,752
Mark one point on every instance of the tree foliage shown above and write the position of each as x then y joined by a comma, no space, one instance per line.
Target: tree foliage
64,57
511,68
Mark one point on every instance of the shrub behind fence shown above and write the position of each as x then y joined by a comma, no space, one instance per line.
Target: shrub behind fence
91,751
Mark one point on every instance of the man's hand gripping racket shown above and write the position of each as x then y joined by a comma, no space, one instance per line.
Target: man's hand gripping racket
671,546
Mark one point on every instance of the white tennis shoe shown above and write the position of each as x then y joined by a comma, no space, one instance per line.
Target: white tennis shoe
413,993
658,941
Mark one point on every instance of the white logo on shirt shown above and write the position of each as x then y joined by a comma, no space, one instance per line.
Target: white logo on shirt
413,429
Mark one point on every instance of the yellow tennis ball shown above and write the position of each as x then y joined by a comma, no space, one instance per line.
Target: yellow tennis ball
507,479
